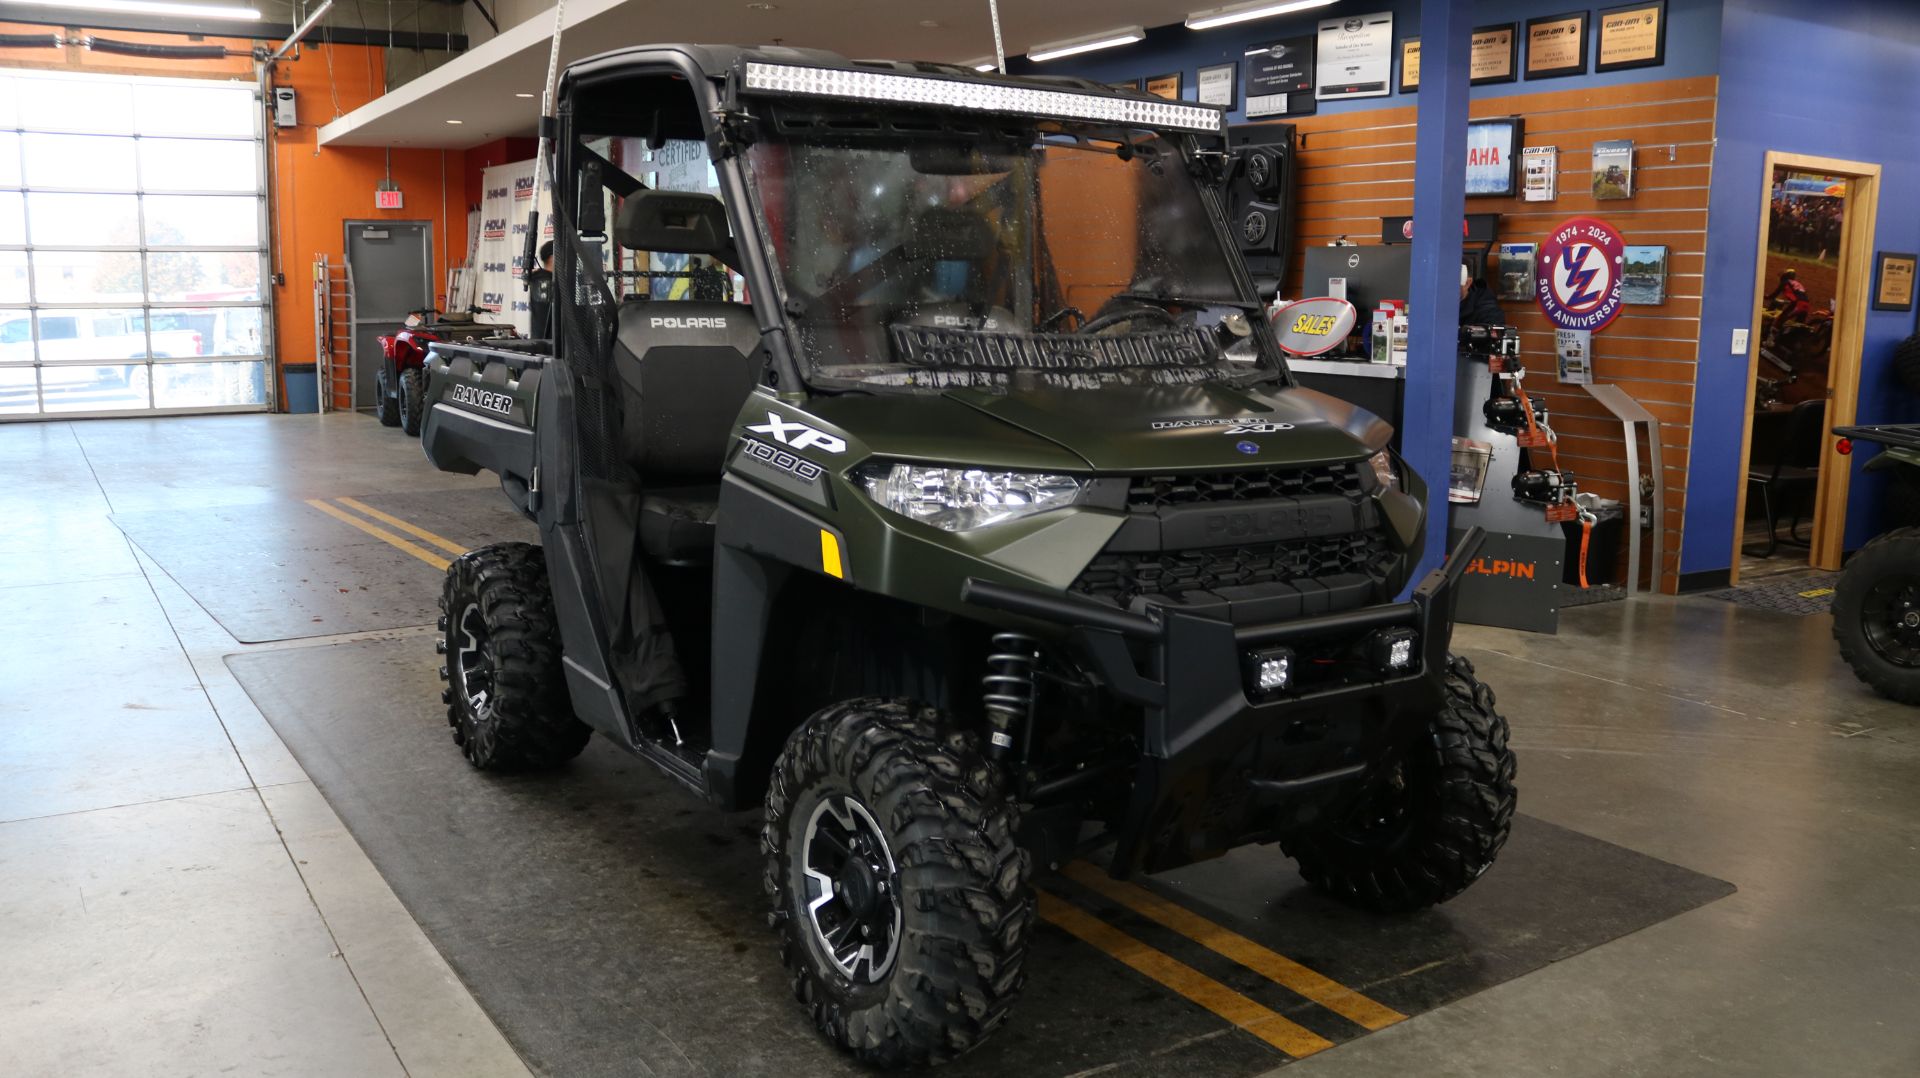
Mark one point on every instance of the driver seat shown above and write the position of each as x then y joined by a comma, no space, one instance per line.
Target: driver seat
685,370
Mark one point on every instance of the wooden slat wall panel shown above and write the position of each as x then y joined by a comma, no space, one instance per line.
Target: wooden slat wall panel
1355,169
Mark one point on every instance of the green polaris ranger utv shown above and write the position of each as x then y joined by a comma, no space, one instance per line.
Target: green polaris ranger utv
912,460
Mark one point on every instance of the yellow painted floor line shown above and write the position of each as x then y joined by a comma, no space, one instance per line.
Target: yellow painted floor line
1268,1025
381,534
414,530
1272,965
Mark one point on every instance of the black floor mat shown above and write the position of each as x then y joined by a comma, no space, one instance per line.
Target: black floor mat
1804,594
284,570
612,924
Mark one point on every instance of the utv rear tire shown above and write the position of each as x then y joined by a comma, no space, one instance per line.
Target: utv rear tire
506,695
413,399
933,829
1423,841
385,407
1878,589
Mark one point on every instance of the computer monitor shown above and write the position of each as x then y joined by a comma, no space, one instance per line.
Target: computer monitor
1373,273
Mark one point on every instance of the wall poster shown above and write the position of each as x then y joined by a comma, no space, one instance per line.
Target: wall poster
1409,65
1494,56
1217,85
1355,57
1276,72
1557,45
1632,36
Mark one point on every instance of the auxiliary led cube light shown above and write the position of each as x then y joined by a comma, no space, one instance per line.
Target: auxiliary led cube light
1269,672
1391,650
980,96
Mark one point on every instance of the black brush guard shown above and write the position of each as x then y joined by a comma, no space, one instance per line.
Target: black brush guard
1194,795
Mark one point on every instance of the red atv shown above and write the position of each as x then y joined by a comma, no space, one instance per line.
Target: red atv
400,385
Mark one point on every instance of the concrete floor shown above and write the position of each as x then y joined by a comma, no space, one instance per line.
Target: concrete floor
177,898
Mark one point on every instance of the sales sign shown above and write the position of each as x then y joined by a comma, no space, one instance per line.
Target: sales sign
1581,272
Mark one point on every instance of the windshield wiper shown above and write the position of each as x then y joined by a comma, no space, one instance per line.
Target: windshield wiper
1168,299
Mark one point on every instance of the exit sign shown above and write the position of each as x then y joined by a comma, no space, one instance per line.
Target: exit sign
387,200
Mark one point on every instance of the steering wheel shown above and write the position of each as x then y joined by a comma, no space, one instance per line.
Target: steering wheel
1128,314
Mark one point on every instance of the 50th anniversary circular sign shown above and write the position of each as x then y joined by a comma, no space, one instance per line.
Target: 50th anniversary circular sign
1581,272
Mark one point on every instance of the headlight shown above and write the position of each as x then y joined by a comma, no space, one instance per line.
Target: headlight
961,499
1384,471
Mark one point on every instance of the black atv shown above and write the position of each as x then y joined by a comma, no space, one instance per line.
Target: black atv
1876,607
993,514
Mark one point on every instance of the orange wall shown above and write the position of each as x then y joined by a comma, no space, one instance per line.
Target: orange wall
315,190
318,189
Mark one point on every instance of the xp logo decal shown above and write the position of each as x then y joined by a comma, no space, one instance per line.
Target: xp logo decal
804,470
797,435
1580,276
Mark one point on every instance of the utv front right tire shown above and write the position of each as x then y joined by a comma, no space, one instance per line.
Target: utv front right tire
882,799
385,407
506,695
1876,614
1434,825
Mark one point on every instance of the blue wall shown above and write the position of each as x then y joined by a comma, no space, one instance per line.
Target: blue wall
1837,78
1693,47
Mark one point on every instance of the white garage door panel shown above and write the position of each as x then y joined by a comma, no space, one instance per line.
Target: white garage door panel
132,261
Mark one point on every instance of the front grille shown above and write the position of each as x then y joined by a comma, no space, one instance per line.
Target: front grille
1122,577
1147,493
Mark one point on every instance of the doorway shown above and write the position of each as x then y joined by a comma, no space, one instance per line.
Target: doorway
1812,274
391,266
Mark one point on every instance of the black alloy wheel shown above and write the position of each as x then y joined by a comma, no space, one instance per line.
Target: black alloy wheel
852,889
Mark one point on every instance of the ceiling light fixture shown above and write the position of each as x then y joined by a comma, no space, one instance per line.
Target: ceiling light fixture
523,95
1106,39
151,7
985,63
456,121
1233,13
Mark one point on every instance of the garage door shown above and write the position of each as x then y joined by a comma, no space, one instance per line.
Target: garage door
131,246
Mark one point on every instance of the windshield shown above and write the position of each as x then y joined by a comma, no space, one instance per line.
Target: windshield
929,258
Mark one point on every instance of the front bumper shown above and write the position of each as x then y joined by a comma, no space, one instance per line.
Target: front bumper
1217,769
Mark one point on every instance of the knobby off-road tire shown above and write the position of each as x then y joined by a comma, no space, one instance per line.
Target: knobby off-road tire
1906,363
385,407
413,399
961,911
1876,615
506,696
1434,826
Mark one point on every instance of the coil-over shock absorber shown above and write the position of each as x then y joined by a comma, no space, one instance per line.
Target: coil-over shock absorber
1008,686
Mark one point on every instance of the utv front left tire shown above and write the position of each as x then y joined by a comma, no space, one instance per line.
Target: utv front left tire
413,399
898,892
506,695
385,407
1431,826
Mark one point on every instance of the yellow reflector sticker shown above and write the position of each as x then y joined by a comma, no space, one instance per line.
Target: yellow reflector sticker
830,554
1816,593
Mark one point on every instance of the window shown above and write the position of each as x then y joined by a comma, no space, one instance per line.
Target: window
132,253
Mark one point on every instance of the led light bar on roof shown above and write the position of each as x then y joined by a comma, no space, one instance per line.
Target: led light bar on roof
978,96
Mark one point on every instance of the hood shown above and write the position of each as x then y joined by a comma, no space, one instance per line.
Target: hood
1152,429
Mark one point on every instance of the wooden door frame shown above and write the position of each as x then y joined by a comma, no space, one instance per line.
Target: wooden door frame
1851,293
